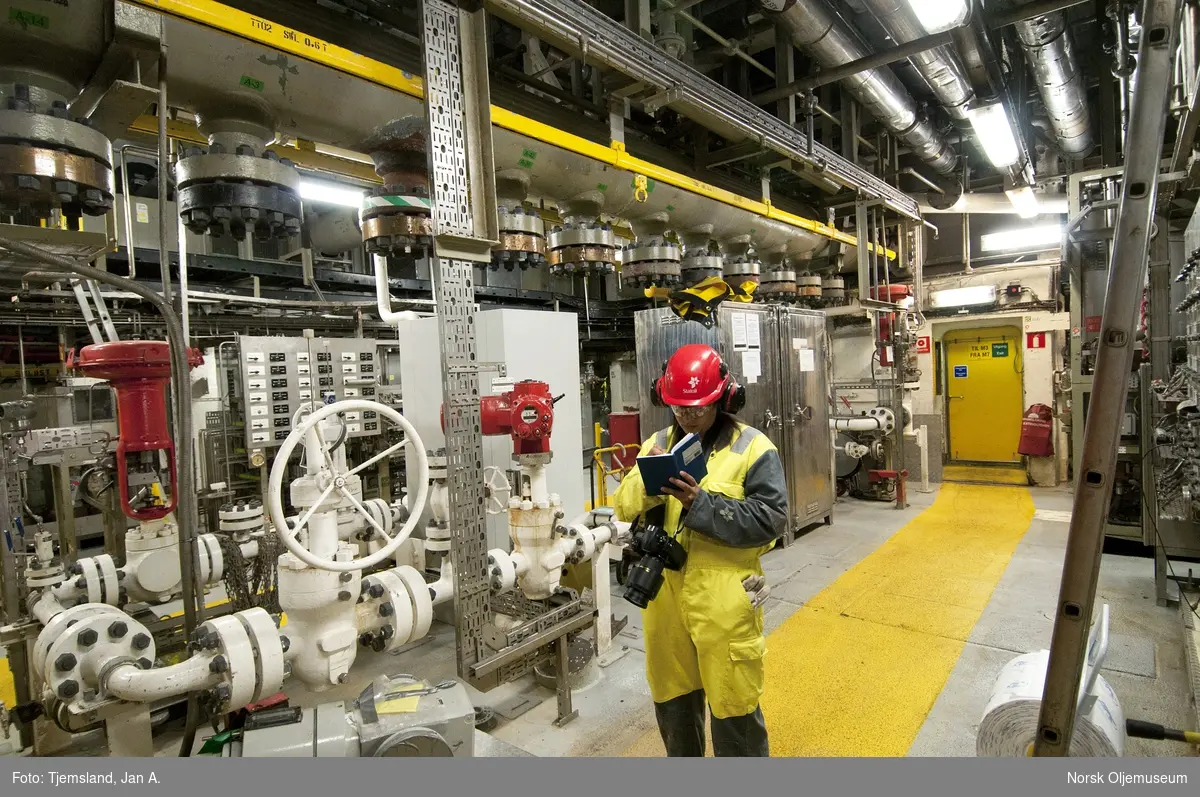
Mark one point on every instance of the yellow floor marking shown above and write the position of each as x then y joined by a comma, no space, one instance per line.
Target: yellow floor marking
8,690
855,671
984,474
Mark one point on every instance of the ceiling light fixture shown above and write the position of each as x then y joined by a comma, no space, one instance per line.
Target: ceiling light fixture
994,134
937,16
331,193
1023,239
1024,201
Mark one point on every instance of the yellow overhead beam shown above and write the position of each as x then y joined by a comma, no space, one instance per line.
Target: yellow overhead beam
280,37
303,156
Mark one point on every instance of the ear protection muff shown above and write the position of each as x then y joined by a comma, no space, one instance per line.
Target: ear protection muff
655,395
733,397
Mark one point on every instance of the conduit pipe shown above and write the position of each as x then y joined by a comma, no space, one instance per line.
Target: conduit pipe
817,29
383,296
863,424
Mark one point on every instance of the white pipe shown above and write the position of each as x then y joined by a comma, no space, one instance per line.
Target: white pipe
863,424
47,607
184,298
130,683
992,204
443,588
520,563
924,442
383,296
249,549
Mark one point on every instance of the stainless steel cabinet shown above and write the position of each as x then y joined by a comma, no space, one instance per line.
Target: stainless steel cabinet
779,354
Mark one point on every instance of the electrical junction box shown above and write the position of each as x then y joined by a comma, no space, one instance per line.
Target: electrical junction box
1014,290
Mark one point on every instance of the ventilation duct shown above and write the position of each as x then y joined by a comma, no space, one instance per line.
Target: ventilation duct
940,66
1051,57
816,29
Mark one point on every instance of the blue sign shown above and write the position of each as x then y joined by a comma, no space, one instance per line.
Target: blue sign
960,372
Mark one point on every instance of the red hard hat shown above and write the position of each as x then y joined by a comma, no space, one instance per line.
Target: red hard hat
693,377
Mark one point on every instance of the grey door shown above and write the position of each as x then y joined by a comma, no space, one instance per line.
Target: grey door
805,410
660,333
756,367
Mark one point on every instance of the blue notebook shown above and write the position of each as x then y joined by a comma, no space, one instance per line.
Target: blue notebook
686,455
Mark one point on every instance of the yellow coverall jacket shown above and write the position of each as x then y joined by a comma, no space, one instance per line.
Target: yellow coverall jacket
701,630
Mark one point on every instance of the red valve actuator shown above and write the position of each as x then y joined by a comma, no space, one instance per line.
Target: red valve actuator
138,371
526,413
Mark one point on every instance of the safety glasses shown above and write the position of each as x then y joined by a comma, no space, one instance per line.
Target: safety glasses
690,413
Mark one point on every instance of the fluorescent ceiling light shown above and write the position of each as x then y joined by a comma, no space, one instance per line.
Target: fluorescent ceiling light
995,134
964,297
939,15
1024,201
331,193
1024,238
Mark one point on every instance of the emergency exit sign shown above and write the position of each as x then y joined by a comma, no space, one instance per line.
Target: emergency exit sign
1000,349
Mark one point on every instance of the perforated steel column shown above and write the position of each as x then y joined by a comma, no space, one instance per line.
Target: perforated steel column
454,220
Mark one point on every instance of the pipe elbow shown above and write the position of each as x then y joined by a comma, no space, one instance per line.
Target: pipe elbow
132,684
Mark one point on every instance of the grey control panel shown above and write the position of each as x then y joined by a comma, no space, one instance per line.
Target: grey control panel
280,375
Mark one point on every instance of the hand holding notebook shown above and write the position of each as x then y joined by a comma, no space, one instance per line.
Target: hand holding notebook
686,456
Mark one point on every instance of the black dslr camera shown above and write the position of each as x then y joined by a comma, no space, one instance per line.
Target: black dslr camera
658,551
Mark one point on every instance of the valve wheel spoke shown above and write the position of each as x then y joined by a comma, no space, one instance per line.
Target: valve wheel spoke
303,521
362,510
379,456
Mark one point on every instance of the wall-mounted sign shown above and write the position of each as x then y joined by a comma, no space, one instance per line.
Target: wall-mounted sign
924,345
1035,340
960,372
1000,349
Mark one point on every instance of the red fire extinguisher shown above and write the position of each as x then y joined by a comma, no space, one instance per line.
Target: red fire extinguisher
1037,432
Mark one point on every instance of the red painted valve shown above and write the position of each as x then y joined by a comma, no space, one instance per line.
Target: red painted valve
526,413
138,371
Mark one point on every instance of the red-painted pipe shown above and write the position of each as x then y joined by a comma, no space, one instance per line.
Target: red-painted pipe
138,371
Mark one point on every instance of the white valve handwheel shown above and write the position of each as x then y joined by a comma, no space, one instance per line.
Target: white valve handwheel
289,536
495,482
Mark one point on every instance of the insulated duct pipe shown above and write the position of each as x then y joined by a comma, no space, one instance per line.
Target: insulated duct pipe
941,67
817,29
1051,58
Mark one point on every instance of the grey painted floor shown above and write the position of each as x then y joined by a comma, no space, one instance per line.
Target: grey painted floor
1146,665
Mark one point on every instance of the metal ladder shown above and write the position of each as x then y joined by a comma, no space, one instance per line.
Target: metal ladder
1126,276
99,322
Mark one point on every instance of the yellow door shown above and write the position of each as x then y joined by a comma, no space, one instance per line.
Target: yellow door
983,393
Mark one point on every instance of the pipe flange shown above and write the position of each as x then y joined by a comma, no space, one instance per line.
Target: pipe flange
240,209
646,273
48,161
887,418
502,570
652,252
582,260
421,598
394,628
250,648
600,235
75,662
218,167
521,220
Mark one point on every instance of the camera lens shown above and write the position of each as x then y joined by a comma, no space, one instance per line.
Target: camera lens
644,581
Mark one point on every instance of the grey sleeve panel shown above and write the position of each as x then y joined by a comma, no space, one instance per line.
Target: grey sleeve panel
757,520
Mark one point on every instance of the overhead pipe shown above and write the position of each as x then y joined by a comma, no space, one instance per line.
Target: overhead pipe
1050,54
941,67
820,32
